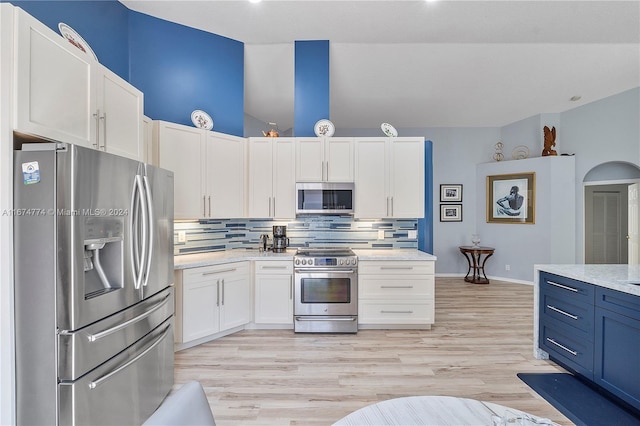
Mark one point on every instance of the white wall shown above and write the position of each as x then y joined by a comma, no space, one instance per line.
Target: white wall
551,238
599,132
6,222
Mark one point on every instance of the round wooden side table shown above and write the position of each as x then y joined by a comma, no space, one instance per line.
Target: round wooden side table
474,255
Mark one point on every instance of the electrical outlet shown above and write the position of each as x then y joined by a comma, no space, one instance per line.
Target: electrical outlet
413,234
507,267
182,236
381,234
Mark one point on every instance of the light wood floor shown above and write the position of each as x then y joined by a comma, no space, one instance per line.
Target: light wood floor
482,337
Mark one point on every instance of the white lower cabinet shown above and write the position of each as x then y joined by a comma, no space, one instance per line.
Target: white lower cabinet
396,294
273,292
211,300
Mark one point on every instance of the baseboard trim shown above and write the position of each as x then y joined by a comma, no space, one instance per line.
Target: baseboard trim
510,280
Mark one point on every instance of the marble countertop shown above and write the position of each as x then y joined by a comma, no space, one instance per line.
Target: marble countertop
185,261
615,277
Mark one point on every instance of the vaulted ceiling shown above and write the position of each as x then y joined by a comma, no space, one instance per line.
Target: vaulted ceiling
414,63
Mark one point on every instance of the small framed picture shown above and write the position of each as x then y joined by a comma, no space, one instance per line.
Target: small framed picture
450,212
511,198
450,193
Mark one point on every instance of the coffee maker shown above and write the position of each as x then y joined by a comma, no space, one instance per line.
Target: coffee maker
280,240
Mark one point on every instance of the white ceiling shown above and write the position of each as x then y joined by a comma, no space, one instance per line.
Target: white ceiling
414,63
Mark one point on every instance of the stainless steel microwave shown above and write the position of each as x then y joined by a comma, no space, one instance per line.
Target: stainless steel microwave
324,198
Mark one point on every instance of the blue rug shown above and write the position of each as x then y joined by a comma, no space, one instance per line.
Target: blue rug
579,402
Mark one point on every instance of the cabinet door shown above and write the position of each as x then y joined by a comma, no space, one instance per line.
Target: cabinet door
181,150
235,299
274,299
225,175
406,179
147,141
200,308
310,164
54,96
284,179
120,115
260,177
339,159
371,171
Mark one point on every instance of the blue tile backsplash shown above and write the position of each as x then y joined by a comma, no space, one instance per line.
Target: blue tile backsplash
228,234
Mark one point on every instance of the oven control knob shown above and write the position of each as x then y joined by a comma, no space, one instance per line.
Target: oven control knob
341,262
310,262
297,262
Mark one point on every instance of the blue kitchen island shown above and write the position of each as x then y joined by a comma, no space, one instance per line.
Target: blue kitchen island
587,319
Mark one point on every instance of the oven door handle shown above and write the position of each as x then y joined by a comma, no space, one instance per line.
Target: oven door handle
312,318
316,270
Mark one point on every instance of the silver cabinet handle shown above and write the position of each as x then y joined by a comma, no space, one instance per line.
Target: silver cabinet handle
274,267
217,292
397,267
574,353
96,116
94,384
209,205
291,288
104,131
274,206
396,312
204,206
564,287
560,311
222,292
391,206
396,286
269,207
218,272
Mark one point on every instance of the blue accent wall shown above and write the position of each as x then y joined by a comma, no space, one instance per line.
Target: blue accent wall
311,85
181,69
103,25
425,226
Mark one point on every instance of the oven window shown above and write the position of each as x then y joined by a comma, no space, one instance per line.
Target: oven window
326,290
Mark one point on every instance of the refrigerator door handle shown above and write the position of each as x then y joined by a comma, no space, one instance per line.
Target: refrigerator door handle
95,383
143,230
134,218
104,333
150,222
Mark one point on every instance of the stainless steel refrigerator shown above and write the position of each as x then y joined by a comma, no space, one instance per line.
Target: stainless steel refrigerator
93,286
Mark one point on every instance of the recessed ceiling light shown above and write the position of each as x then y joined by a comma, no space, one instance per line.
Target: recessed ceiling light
575,98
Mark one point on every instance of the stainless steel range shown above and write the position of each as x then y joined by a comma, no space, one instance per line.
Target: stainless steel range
326,290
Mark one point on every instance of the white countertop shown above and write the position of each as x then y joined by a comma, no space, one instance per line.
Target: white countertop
615,277
185,261
438,410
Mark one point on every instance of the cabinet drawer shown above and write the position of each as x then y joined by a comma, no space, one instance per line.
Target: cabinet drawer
395,312
274,267
387,287
568,311
396,268
577,290
617,301
204,273
568,348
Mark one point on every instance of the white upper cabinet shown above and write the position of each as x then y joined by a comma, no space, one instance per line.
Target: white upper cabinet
389,178
208,167
225,175
271,178
324,159
181,149
63,94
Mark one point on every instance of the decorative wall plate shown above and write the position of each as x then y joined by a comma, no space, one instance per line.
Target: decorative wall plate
324,128
74,38
201,120
389,130
520,152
